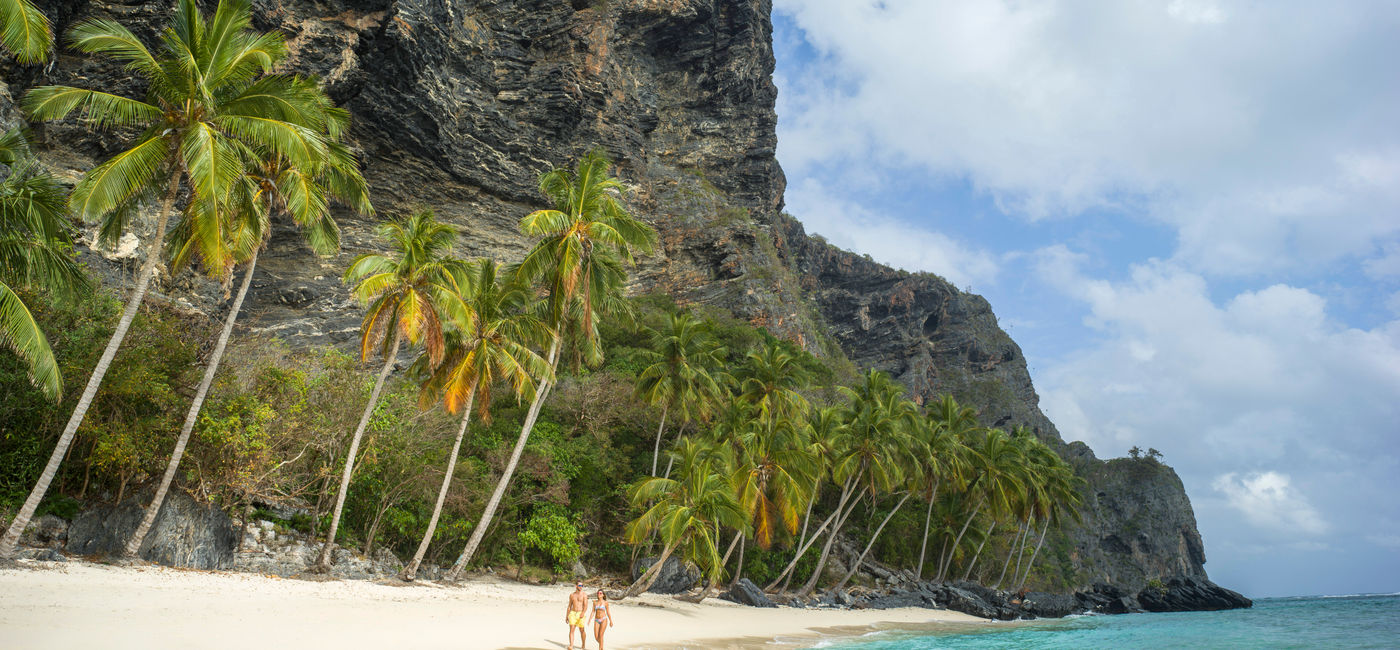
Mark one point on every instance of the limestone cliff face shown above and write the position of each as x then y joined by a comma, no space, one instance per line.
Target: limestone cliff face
461,104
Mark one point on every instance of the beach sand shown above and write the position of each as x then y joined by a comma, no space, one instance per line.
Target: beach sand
85,605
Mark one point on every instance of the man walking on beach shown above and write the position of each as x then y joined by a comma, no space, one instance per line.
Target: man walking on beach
575,615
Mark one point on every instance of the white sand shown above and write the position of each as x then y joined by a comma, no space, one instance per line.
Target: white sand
82,605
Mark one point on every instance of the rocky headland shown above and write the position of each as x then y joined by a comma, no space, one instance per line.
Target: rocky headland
461,105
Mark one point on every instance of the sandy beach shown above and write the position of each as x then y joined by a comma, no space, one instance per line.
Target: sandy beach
84,605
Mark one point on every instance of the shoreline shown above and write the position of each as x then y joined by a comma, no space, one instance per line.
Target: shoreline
83,604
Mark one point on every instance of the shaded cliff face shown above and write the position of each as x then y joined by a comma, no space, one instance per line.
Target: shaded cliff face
460,105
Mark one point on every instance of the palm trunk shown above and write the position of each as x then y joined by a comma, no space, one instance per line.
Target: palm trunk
732,545
826,550
1021,531
644,583
786,575
739,571
928,517
972,565
133,546
138,294
871,544
411,571
671,461
323,563
656,451
1043,530
1019,551
541,392
952,552
807,518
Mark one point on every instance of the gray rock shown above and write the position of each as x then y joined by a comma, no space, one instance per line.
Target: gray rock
675,576
48,531
1188,594
1044,605
745,592
186,533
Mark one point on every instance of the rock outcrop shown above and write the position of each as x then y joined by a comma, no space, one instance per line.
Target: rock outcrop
676,576
186,533
460,105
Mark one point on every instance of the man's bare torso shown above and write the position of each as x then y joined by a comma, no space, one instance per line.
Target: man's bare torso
577,602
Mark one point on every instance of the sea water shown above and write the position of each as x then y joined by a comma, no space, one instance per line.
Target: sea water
1363,621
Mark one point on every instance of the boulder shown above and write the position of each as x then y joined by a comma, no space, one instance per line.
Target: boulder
676,576
745,592
48,531
1045,605
186,533
901,599
1188,594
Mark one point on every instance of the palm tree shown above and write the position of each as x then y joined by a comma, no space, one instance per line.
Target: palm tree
948,424
688,512
24,31
774,469
998,481
771,378
34,243
403,292
585,240
207,97
1062,492
489,348
679,377
872,451
271,183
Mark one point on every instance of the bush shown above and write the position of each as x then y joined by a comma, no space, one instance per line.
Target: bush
553,533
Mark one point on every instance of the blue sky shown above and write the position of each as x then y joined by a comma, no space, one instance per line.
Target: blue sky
1186,212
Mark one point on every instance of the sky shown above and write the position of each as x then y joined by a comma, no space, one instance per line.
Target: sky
1186,212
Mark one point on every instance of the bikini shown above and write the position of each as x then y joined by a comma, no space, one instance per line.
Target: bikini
600,613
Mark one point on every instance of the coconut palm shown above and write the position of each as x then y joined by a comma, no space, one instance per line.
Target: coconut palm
34,251
403,292
947,426
774,469
1062,488
997,464
489,349
679,376
207,96
1031,502
872,451
24,31
770,379
687,512
271,183
585,241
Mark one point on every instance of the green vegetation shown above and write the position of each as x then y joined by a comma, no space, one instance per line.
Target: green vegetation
553,386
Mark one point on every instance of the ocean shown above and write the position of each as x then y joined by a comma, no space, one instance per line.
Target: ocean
1362,621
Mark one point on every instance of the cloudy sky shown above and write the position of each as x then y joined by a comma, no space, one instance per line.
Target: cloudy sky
1187,212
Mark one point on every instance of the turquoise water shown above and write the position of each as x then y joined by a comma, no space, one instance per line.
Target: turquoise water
1371,621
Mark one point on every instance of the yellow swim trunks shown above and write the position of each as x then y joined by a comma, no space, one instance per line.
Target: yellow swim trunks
576,619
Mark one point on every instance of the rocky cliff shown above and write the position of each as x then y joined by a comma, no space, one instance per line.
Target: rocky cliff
460,104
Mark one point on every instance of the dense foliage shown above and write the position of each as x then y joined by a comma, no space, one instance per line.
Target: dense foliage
548,419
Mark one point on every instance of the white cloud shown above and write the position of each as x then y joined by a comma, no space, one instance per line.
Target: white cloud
1269,500
856,228
1264,134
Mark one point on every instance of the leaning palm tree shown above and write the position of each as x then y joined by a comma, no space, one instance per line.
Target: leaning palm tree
24,31
1062,492
873,449
945,429
490,347
998,462
271,183
34,243
687,512
207,96
403,292
679,377
585,241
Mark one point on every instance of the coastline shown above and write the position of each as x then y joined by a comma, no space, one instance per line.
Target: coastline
81,604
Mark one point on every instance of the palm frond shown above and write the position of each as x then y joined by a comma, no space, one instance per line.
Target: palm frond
20,332
25,31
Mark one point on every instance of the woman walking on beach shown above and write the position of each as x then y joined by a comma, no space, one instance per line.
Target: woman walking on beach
601,615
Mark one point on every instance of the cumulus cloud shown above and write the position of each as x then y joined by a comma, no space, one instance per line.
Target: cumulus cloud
1267,499
1253,130
853,227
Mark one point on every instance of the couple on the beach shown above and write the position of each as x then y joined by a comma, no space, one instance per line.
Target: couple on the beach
579,613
